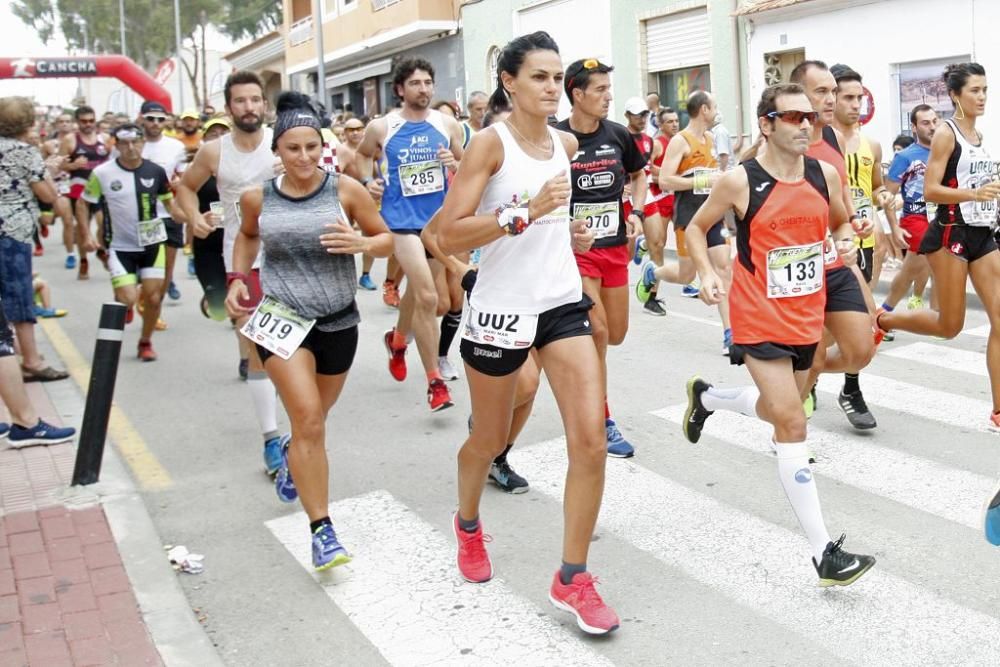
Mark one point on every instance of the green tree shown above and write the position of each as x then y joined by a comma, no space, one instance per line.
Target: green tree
93,25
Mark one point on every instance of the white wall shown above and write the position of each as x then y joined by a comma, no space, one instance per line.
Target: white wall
873,38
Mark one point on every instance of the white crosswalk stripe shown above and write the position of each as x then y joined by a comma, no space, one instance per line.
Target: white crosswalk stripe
766,568
403,591
925,485
942,356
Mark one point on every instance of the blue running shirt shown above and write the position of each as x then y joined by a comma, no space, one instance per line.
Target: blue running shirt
415,179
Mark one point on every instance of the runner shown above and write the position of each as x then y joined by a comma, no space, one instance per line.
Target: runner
848,311
512,199
238,161
654,239
420,145
690,171
606,161
209,264
170,154
635,119
785,205
961,180
132,192
354,133
309,291
82,151
476,108
906,177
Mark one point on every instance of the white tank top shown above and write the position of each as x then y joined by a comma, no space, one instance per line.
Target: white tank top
968,167
239,171
535,271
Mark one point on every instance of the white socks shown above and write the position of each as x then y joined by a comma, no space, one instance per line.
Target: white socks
265,403
797,479
738,399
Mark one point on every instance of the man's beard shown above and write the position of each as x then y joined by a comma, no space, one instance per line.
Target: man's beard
193,130
248,125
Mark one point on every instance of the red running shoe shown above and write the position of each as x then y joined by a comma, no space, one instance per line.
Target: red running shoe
473,561
146,352
390,294
129,315
877,331
43,230
581,599
397,357
438,395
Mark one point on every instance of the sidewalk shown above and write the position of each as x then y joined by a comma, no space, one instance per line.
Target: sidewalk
84,579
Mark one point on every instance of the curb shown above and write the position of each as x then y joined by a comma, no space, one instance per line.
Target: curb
176,634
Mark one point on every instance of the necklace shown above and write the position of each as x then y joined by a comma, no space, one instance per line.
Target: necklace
544,149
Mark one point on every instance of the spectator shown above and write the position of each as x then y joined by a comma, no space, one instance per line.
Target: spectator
653,120
190,129
22,179
722,144
43,299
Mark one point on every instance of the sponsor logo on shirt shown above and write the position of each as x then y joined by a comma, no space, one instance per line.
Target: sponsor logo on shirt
605,150
116,185
594,181
147,182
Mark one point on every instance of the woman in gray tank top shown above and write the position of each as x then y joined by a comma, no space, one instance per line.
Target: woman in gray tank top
305,328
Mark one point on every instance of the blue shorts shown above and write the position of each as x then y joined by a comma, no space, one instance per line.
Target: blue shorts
16,291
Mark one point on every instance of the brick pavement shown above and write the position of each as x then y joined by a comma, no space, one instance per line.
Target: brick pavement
65,598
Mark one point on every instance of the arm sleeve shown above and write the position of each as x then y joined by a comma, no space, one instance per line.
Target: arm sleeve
898,167
164,193
92,192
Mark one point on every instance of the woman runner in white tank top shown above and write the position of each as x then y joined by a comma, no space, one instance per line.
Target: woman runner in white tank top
961,180
511,197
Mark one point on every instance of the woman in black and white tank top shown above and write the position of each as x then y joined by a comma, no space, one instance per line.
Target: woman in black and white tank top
961,183
511,198
306,326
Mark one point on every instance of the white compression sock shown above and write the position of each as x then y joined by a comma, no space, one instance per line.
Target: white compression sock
265,403
797,479
738,399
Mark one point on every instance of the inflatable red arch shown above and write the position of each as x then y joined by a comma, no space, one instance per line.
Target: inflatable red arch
119,67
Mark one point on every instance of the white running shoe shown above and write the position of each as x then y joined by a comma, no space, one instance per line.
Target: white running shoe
448,372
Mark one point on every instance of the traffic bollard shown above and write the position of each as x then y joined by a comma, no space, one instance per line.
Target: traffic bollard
100,393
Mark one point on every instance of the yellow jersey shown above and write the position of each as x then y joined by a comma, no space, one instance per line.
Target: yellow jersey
860,166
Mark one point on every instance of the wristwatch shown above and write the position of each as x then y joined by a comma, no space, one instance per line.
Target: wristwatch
639,214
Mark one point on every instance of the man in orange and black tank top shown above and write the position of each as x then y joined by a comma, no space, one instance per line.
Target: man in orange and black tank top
690,170
786,204
849,305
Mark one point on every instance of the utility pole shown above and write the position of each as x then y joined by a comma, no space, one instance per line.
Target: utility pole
320,52
180,62
204,63
121,25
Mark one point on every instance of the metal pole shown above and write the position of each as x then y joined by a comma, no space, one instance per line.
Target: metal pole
100,393
121,24
180,62
320,52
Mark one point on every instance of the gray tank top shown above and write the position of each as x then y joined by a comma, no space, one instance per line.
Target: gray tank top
296,269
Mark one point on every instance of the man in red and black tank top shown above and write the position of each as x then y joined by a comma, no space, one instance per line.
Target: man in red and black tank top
784,211
849,304
82,151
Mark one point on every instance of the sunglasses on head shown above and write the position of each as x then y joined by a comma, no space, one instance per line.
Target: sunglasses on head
156,119
588,65
794,117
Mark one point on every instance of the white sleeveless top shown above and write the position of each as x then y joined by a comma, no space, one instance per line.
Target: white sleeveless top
238,172
534,271
969,167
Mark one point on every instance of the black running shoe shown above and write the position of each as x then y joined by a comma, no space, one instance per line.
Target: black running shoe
505,477
654,307
696,414
840,568
856,409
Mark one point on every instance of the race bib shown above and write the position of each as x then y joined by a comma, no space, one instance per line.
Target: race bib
702,181
979,213
277,328
421,178
794,270
602,218
152,232
862,205
509,331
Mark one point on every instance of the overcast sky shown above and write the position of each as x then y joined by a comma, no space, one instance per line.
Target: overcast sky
19,41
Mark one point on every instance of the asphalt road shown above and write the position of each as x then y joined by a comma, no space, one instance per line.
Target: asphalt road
697,547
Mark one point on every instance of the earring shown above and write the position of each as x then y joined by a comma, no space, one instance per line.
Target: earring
960,111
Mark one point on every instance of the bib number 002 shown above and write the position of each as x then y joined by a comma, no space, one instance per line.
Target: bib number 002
277,328
511,331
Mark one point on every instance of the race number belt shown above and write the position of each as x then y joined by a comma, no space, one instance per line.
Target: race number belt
277,327
509,331
794,270
602,218
421,178
152,232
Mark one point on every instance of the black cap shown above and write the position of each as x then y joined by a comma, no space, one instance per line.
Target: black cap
150,106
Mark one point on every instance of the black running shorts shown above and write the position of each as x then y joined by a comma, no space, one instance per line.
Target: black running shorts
572,319
843,292
175,233
866,262
965,242
801,355
333,350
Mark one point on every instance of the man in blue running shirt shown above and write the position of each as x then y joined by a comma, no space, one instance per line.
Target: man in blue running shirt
421,147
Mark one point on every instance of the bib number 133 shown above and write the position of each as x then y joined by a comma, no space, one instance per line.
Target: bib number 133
794,271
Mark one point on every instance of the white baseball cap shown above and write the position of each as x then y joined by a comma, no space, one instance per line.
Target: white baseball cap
636,106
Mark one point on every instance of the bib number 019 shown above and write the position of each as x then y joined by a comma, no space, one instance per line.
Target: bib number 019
277,328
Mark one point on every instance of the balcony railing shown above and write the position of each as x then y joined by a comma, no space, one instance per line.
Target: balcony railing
378,5
301,31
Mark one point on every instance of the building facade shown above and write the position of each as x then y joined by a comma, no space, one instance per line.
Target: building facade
362,39
669,47
266,57
900,47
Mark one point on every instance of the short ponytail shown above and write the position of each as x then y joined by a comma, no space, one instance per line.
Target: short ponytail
510,61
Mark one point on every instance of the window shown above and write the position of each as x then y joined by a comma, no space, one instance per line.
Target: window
675,86
921,83
492,58
348,5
